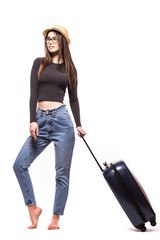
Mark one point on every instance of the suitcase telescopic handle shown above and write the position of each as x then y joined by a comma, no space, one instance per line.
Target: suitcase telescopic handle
82,136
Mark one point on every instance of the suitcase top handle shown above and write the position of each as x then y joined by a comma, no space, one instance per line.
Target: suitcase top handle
91,151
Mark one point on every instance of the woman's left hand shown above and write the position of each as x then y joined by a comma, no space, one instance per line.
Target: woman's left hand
80,129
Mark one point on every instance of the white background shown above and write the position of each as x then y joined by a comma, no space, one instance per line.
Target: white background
115,46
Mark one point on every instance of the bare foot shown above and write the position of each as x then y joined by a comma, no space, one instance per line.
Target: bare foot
34,213
54,223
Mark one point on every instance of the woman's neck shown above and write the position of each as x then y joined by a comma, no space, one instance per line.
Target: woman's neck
55,59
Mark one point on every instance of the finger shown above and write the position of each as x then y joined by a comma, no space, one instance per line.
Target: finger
83,132
37,130
33,134
36,133
35,137
80,134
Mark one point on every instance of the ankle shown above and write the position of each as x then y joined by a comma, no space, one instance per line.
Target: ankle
56,217
32,208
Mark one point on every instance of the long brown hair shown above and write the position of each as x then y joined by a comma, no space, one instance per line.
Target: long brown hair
65,55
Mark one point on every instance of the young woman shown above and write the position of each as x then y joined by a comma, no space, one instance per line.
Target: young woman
50,121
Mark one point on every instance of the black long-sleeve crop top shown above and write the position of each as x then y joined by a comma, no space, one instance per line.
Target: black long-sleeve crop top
51,86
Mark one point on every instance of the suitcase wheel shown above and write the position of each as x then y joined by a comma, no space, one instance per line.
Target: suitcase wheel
153,223
143,228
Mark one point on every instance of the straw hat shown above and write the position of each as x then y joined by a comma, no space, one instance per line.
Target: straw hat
60,29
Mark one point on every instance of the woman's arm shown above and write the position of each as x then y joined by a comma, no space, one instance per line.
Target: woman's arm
33,98
74,103
34,89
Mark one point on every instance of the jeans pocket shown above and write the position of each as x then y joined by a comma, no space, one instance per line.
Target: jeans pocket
63,115
38,115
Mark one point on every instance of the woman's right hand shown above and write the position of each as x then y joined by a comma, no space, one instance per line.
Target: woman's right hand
34,130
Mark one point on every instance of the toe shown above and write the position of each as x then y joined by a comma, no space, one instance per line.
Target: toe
32,226
50,227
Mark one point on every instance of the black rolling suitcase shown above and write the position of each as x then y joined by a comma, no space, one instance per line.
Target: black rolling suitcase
128,192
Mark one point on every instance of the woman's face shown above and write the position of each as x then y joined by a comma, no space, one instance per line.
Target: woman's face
52,42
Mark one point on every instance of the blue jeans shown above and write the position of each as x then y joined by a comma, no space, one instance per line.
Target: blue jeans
54,125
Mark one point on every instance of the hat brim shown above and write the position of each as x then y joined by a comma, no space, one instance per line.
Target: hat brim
58,30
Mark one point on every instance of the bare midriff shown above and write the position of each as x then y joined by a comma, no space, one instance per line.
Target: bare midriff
45,105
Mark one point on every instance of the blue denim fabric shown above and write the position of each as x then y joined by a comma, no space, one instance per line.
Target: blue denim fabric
54,125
